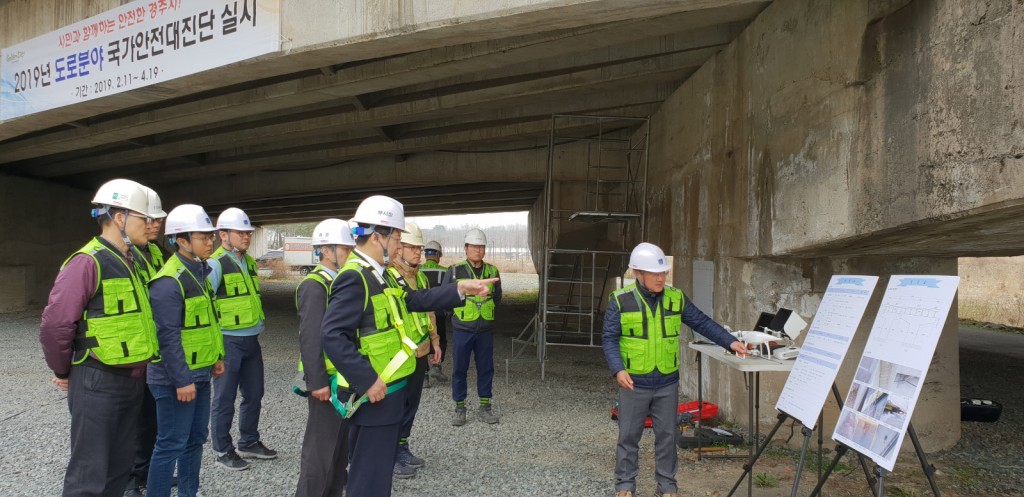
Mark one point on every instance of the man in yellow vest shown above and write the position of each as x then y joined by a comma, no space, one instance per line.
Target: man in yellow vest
473,330
404,272
191,350
322,466
641,344
97,334
435,272
236,283
363,335
151,258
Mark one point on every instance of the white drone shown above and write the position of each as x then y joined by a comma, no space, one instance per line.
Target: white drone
790,331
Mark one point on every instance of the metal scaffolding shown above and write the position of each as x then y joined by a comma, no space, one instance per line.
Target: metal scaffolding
574,281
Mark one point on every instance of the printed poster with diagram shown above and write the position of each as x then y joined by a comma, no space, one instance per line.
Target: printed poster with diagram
891,372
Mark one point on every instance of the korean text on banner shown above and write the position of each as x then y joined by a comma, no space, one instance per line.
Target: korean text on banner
135,45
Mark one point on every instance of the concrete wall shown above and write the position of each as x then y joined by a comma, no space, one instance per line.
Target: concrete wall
827,123
992,290
44,223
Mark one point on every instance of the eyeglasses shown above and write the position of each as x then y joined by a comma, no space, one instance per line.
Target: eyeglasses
148,219
201,237
242,233
414,248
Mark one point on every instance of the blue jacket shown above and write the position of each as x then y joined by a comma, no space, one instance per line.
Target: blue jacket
169,314
692,317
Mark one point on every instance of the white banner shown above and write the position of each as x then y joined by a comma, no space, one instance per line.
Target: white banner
825,347
135,45
891,372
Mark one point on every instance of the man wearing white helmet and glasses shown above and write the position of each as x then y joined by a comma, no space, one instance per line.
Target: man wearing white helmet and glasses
151,259
404,271
364,335
473,331
322,466
192,352
97,334
235,280
641,344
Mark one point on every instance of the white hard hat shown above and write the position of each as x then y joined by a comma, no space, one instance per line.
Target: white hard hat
187,218
333,232
433,245
476,237
412,235
156,208
648,257
124,194
234,218
379,210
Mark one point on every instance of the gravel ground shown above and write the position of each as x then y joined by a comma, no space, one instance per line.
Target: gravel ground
555,437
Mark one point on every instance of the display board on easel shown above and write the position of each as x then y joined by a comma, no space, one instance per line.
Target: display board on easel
891,372
825,346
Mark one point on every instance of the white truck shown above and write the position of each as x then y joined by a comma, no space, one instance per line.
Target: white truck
298,254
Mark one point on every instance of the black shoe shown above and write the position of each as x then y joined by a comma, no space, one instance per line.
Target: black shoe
402,471
257,451
231,461
406,457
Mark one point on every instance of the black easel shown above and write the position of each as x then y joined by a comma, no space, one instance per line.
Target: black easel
782,417
928,469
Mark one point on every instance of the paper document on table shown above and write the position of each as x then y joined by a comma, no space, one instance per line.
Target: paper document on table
825,346
891,372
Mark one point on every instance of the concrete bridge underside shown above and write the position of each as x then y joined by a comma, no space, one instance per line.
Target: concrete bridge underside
790,140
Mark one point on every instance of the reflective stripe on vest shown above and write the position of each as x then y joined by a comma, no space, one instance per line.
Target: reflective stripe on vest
650,338
320,275
201,338
391,354
434,273
117,324
475,307
417,324
238,295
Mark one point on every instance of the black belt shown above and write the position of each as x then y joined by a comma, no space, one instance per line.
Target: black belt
91,362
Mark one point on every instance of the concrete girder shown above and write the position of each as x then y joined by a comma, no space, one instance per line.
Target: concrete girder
333,154
429,54
429,198
661,68
594,102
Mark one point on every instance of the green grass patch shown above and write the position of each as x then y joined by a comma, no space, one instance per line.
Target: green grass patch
520,298
966,477
895,491
765,480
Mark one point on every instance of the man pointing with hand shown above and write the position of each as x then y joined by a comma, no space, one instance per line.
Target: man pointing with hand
363,334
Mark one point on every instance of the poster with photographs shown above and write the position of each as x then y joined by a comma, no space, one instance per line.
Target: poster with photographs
891,372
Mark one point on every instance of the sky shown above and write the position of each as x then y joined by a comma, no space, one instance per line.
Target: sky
481,220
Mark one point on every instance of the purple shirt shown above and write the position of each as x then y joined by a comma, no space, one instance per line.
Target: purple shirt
74,287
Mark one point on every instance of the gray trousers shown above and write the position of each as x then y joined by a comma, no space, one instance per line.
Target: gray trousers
634,406
104,413
322,468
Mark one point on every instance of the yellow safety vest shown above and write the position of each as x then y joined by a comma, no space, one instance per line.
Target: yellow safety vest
381,335
238,295
650,338
201,338
117,325
476,307
320,275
